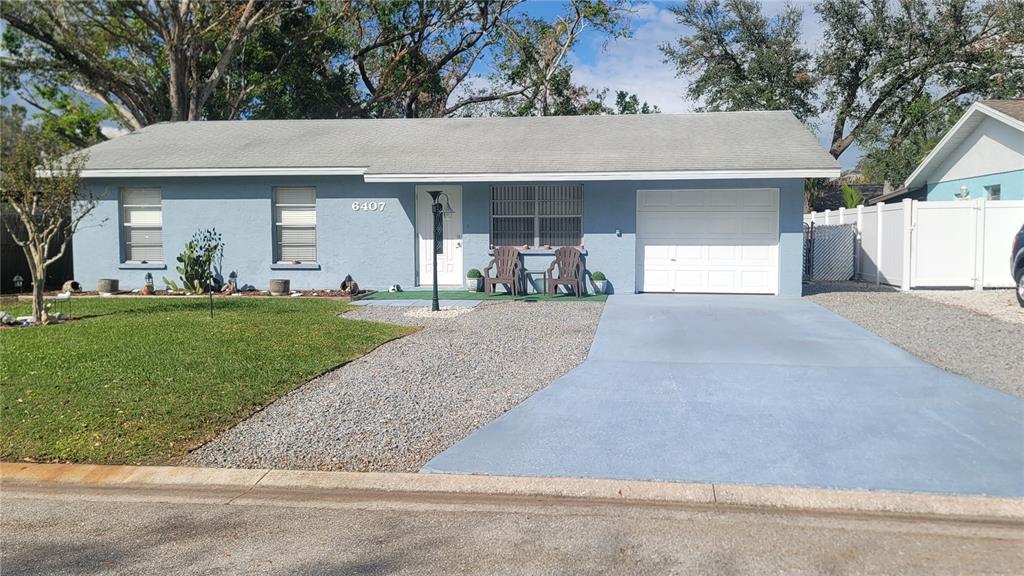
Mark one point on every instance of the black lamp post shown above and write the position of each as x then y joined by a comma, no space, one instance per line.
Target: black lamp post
439,211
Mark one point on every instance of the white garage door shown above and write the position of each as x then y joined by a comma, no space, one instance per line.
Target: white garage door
708,240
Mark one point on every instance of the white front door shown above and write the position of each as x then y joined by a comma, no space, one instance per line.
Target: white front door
723,241
449,260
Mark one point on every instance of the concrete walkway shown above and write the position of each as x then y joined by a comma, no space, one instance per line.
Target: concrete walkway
754,390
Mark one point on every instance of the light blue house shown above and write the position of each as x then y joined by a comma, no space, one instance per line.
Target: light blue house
659,203
982,156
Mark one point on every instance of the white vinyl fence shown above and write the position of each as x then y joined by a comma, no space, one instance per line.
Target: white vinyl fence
915,244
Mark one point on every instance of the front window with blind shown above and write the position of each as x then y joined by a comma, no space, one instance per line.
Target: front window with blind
143,225
295,225
537,215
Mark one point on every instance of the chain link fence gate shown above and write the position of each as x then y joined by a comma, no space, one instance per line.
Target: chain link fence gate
830,252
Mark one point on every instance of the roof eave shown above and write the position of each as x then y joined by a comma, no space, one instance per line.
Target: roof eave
938,153
220,172
464,176
605,176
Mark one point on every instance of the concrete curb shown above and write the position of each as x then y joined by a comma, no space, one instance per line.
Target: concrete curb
254,486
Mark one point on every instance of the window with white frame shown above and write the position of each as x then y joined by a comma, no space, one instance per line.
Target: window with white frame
995,192
537,215
295,224
143,225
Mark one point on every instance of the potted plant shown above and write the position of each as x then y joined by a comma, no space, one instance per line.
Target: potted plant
600,282
474,280
279,286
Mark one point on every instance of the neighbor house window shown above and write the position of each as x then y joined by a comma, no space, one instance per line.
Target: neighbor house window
537,215
995,191
143,225
295,224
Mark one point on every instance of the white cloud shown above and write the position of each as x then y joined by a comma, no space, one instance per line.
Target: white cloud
112,131
635,64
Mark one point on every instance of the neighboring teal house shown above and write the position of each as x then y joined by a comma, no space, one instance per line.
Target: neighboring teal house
659,203
982,156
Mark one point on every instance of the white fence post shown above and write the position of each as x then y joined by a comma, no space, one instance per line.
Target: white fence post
878,251
908,228
979,244
858,261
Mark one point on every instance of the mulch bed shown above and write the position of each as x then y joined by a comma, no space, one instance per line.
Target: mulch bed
337,294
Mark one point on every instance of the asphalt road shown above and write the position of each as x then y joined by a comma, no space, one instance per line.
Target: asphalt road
128,533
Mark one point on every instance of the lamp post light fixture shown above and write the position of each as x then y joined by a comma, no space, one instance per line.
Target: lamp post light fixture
18,282
441,212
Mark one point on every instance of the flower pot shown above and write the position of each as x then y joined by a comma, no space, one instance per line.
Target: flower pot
600,286
280,287
474,284
107,286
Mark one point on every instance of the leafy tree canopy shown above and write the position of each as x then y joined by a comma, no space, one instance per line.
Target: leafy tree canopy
736,58
147,62
892,75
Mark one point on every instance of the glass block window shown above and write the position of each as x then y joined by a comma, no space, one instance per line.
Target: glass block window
143,225
537,215
295,224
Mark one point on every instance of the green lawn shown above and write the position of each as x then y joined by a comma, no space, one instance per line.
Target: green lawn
141,381
467,295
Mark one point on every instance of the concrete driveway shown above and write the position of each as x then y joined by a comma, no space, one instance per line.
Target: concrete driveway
759,390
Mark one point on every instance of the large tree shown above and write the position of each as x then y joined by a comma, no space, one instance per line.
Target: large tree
181,60
736,58
892,74
892,67
147,62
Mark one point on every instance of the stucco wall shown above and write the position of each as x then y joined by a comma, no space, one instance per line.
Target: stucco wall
379,248
375,247
993,147
1011,186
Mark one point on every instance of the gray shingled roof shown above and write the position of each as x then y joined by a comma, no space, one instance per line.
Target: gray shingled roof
1012,108
657,142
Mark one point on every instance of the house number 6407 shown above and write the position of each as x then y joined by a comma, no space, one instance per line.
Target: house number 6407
368,206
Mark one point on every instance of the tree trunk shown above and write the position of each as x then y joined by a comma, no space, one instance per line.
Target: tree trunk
38,285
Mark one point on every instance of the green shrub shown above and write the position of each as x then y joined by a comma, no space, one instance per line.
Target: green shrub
198,261
598,276
474,273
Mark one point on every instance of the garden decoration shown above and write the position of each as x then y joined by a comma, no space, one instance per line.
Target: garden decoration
280,286
107,286
148,289
349,286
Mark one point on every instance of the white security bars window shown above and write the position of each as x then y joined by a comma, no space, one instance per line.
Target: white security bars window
537,215
295,224
143,225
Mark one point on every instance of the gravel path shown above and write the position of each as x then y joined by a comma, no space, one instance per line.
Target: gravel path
955,338
1000,304
400,405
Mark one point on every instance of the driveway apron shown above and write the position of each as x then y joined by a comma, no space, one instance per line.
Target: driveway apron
754,390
